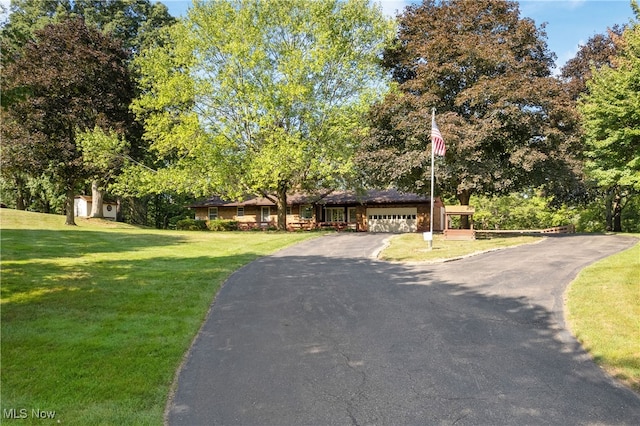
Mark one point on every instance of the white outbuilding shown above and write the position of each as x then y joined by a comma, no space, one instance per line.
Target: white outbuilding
82,207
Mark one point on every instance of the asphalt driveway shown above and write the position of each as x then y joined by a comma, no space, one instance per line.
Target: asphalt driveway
323,334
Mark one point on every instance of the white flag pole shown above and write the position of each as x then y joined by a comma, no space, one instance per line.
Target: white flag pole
433,120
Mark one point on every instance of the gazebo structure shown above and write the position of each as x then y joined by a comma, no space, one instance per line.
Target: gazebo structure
459,234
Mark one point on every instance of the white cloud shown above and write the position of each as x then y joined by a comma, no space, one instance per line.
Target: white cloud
393,7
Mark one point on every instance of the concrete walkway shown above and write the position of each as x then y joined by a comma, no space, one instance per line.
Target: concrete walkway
323,334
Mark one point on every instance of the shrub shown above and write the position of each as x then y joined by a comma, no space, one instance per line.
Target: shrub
222,225
527,210
191,225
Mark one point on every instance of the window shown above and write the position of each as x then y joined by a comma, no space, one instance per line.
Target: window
288,210
240,212
213,213
265,214
335,214
351,213
306,212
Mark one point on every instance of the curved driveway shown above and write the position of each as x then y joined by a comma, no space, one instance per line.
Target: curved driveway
321,333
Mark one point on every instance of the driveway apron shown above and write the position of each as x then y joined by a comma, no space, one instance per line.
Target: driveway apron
322,333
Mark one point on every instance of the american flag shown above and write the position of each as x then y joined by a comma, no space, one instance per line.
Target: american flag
437,142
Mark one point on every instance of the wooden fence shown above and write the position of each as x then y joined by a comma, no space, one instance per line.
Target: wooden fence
566,229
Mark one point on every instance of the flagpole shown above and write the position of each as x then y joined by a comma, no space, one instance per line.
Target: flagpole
433,119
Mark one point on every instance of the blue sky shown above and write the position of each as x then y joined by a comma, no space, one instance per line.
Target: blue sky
569,22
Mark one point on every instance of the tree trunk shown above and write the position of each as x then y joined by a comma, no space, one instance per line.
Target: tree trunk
69,207
608,205
97,200
119,212
46,205
617,211
464,196
137,210
20,189
282,207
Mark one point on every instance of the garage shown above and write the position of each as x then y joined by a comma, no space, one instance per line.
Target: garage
392,219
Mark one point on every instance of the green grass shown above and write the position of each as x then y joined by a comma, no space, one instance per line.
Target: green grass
413,248
603,312
96,318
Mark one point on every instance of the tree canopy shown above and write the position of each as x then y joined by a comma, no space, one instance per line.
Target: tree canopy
506,121
134,23
70,78
611,121
598,51
260,97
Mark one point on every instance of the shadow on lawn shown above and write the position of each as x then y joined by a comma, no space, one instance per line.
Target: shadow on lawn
111,282
102,337
21,244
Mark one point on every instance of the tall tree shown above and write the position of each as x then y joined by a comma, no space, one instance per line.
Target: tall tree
506,121
135,23
260,97
597,52
611,120
69,79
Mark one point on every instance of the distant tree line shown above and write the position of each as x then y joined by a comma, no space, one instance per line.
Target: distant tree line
267,98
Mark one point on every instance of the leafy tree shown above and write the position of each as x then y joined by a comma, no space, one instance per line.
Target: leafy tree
135,23
70,78
507,123
611,121
526,210
102,153
597,52
259,97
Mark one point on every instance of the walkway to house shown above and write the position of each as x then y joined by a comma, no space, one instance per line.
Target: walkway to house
321,334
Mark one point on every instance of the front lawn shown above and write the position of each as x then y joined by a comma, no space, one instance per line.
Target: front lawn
603,305
96,318
413,248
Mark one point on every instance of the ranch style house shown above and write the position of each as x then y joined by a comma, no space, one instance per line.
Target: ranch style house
372,211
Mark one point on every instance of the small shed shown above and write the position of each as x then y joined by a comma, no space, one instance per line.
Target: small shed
82,207
459,234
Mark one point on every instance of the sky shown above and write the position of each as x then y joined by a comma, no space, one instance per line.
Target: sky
570,23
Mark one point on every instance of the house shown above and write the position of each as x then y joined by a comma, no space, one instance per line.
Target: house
82,207
373,211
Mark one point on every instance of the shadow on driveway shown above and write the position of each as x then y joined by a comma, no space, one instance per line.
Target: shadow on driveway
316,339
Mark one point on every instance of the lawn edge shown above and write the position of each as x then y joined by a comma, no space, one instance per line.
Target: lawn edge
185,357
449,259
606,369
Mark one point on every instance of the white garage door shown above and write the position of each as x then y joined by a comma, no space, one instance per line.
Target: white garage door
400,219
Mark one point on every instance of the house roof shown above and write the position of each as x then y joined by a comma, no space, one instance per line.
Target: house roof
89,199
387,196
216,201
373,196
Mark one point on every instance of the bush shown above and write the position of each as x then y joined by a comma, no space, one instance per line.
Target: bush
191,225
222,225
520,211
